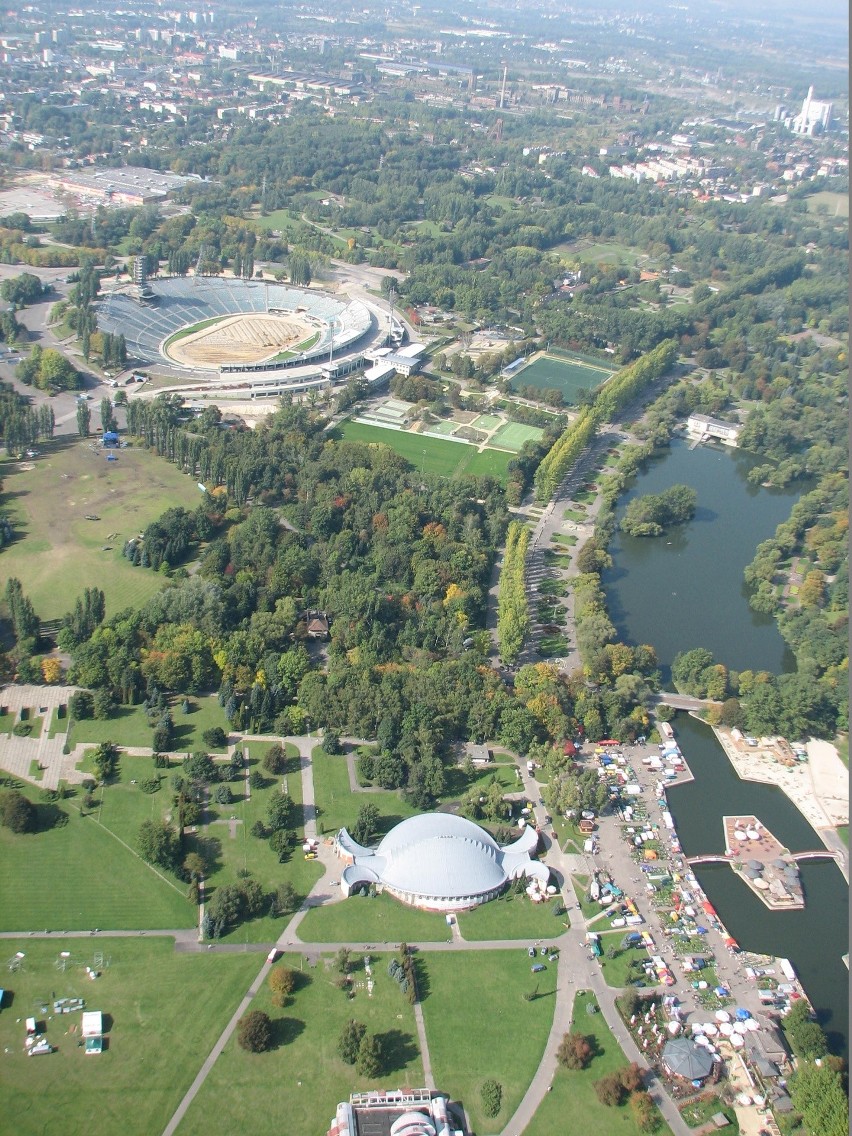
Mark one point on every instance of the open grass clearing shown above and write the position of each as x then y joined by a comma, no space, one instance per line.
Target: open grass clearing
129,726
479,1025
372,919
54,543
616,971
550,645
553,587
573,1092
513,917
77,876
337,805
295,1088
828,203
163,1010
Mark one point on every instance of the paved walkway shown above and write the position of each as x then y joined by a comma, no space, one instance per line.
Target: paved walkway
428,1079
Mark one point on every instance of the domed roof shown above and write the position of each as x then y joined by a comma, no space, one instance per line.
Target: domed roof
441,855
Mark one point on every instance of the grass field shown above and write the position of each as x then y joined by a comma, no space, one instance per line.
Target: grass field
164,1012
381,919
573,1091
479,1026
294,1089
513,435
570,376
337,805
128,725
78,876
512,917
225,840
432,455
829,203
56,551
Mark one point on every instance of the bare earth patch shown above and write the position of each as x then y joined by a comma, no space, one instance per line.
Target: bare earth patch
240,339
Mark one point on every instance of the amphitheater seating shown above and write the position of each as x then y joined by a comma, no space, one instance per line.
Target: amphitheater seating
183,301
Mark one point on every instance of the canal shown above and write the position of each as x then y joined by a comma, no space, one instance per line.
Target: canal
686,590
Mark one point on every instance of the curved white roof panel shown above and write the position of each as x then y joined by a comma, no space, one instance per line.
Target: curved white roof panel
440,861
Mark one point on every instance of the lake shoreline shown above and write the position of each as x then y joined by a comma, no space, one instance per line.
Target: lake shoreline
795,782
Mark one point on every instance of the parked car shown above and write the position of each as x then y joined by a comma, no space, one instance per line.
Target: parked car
539,966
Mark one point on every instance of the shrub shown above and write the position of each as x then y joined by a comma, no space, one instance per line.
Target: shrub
150,785
215,737
282,982
491,1095
610,1090
17,812
254,1032
575,1051
223,795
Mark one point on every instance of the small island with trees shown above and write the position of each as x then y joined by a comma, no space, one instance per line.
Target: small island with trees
653,513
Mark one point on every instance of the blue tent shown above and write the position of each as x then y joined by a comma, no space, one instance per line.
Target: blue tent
110,438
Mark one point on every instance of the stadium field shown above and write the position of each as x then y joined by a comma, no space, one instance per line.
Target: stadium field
569,375
513,435
431,455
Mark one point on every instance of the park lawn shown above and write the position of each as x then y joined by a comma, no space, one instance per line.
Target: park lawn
55,544
573,1091
589,907
337,806
57,725
165,1012
67,877
553,587
513,917
294,1089
606,252
457,783
372,919
479,1026
489,463
616,970
829,203
128,726
232,856
551,645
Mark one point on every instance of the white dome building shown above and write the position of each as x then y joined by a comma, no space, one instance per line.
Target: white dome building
440,862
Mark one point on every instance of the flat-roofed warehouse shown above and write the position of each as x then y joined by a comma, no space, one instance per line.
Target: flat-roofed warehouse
125,185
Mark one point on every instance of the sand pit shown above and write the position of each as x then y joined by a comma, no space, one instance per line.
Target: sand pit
239,339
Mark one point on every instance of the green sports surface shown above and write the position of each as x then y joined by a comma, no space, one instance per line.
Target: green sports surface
570,375
432,455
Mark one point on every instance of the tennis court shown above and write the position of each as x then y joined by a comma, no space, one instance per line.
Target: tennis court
486,422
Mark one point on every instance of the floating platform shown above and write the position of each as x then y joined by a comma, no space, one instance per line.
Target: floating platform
762,861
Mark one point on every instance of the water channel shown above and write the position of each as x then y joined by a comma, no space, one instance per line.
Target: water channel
686,590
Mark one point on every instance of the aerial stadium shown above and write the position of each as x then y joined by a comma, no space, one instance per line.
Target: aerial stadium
439,862
247,339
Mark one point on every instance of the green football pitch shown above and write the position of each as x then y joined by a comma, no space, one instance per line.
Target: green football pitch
432,455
